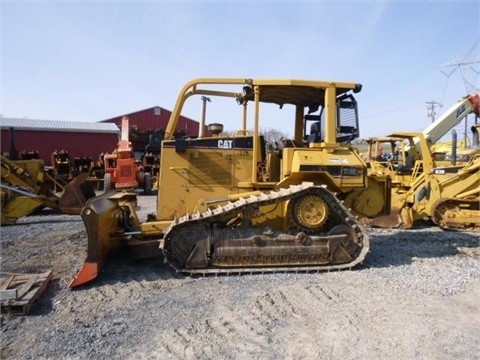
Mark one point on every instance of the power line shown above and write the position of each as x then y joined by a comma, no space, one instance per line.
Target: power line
467,68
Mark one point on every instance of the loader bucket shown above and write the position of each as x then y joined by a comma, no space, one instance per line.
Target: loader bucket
18,206
76,194
390,221
101,216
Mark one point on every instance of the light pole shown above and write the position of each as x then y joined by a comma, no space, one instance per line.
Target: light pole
204,111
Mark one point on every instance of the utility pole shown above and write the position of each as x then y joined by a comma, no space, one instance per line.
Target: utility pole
431,105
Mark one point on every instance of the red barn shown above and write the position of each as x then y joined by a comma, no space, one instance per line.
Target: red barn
79,139
87,139
156,119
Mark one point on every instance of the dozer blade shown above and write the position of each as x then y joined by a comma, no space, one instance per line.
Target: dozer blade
102,216
76,194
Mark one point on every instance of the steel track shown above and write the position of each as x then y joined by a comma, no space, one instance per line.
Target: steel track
245,205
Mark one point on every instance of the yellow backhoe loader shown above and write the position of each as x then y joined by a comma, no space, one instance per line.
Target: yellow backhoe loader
416,184
26,187
392,171
398,165
450,197
227,205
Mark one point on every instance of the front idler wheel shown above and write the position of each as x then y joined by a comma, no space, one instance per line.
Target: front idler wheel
187,247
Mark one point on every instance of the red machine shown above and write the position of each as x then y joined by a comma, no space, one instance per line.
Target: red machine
121,170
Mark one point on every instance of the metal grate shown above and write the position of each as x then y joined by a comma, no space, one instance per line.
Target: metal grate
209,168
347,121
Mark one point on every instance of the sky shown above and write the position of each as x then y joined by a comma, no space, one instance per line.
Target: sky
94,60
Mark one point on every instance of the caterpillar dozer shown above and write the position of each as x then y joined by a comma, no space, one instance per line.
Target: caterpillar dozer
227,205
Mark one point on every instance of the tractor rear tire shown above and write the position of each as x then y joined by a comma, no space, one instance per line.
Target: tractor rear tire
107,182
147,183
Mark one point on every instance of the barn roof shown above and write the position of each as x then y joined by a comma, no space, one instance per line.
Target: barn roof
157,110
57,125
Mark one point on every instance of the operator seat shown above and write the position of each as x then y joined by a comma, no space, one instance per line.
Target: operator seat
315,133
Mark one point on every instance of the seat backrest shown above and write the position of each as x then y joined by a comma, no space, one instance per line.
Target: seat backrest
315,133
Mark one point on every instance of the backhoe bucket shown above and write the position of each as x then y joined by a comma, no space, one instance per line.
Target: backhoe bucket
75,195
101,216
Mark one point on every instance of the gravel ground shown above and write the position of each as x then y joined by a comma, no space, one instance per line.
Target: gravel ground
416,296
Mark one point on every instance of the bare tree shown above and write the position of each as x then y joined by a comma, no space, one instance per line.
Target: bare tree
270,135
273,135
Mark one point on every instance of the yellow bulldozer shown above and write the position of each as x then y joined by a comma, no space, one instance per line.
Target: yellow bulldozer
233,204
